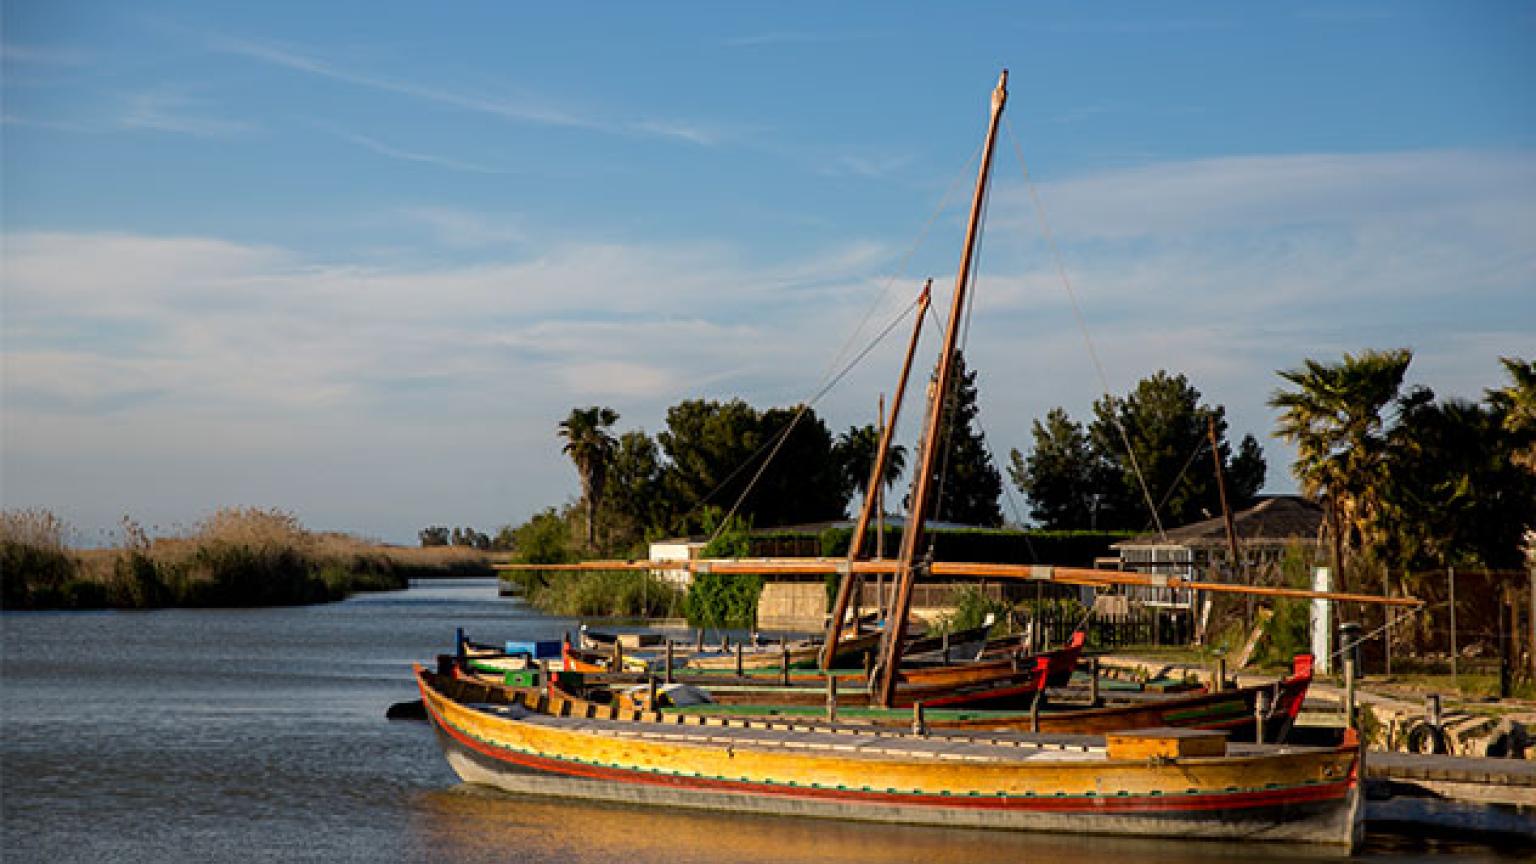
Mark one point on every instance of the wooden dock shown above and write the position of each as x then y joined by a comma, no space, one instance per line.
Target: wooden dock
1463,793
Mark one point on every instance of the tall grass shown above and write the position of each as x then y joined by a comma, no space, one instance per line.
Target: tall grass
235,557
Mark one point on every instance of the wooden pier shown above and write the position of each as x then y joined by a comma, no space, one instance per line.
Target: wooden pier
1457,792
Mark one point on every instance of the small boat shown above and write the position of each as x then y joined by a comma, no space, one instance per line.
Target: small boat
1176,783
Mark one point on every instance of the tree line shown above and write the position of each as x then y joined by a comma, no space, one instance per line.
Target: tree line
1406,481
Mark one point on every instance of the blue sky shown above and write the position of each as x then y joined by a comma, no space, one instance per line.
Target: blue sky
355,260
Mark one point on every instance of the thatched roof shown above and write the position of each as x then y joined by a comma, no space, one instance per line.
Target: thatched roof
1276,519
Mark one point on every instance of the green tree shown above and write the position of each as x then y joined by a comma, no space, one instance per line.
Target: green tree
636,505
1167,428
969,484
435,535
591,447
1058,474
1333,414
1516,406
855,452
717,451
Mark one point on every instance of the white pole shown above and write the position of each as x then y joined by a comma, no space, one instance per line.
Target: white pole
1322,633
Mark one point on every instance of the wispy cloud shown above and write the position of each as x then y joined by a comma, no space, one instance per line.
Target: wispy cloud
521,111
461,229
176,110
383,149
41,55
52,125
793,37
873,167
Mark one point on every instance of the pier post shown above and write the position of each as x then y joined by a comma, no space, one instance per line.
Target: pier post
919,723
1221,674
784,663
618,655
739,670
650,695
670,675
698,645
1432,709
1093,681
1034,711
831,698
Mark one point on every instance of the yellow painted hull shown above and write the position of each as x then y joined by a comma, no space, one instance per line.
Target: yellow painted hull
1011,782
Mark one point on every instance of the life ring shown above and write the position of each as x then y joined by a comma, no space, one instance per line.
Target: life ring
1509,741
1428,738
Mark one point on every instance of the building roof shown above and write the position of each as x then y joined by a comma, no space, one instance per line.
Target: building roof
1275,519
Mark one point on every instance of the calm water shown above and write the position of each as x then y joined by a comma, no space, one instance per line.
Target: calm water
259,735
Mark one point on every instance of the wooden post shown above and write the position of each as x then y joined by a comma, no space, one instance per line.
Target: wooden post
908,566
1034,711
1432,710
784,663
1531,633
1506,662
1221,674
1093,681
650,696
670,675
919,724
1349,690
1260,713
618,655
698,645
831,698
739,670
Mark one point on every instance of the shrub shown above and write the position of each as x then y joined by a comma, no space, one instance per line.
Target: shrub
34,564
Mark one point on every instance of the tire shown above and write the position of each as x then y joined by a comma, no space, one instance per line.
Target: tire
1426,739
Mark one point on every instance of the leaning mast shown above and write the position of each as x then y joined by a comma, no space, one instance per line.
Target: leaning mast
908,566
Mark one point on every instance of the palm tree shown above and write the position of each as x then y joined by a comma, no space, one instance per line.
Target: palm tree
591,446
855,453
1516,403
1334,417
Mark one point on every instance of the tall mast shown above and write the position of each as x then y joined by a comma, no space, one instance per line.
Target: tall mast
851,581
912,537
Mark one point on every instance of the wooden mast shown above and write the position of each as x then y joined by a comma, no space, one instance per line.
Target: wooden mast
911,538
851,580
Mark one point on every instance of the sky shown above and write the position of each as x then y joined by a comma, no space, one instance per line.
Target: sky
356,260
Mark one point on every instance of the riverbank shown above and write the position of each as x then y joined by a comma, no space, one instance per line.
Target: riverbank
236,558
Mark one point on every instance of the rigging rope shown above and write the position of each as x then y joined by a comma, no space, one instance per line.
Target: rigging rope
1077,312
777,441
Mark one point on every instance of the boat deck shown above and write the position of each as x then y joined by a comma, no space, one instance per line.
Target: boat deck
840,740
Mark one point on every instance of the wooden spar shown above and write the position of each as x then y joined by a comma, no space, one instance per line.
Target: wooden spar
968,569
1226,516
922,493
851,581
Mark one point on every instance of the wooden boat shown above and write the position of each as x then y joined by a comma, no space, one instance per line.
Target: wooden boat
1172,783
1182,783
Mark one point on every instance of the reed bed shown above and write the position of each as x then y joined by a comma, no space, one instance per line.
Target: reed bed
238,556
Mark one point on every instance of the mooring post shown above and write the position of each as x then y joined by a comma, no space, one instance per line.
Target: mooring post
831,698
1432,709
919,723
698,645
1260,713
1034,711
784,663
739,671
1093,681
618,655
1221,673
670,675
650,695
1349,690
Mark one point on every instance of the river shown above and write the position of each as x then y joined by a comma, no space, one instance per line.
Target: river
259,735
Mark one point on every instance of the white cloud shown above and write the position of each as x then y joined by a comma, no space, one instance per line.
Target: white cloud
343,383
174,109
528,109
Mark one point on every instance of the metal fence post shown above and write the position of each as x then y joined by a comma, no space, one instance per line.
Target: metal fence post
1450,578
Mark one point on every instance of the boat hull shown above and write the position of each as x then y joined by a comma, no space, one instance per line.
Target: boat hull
1310,797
